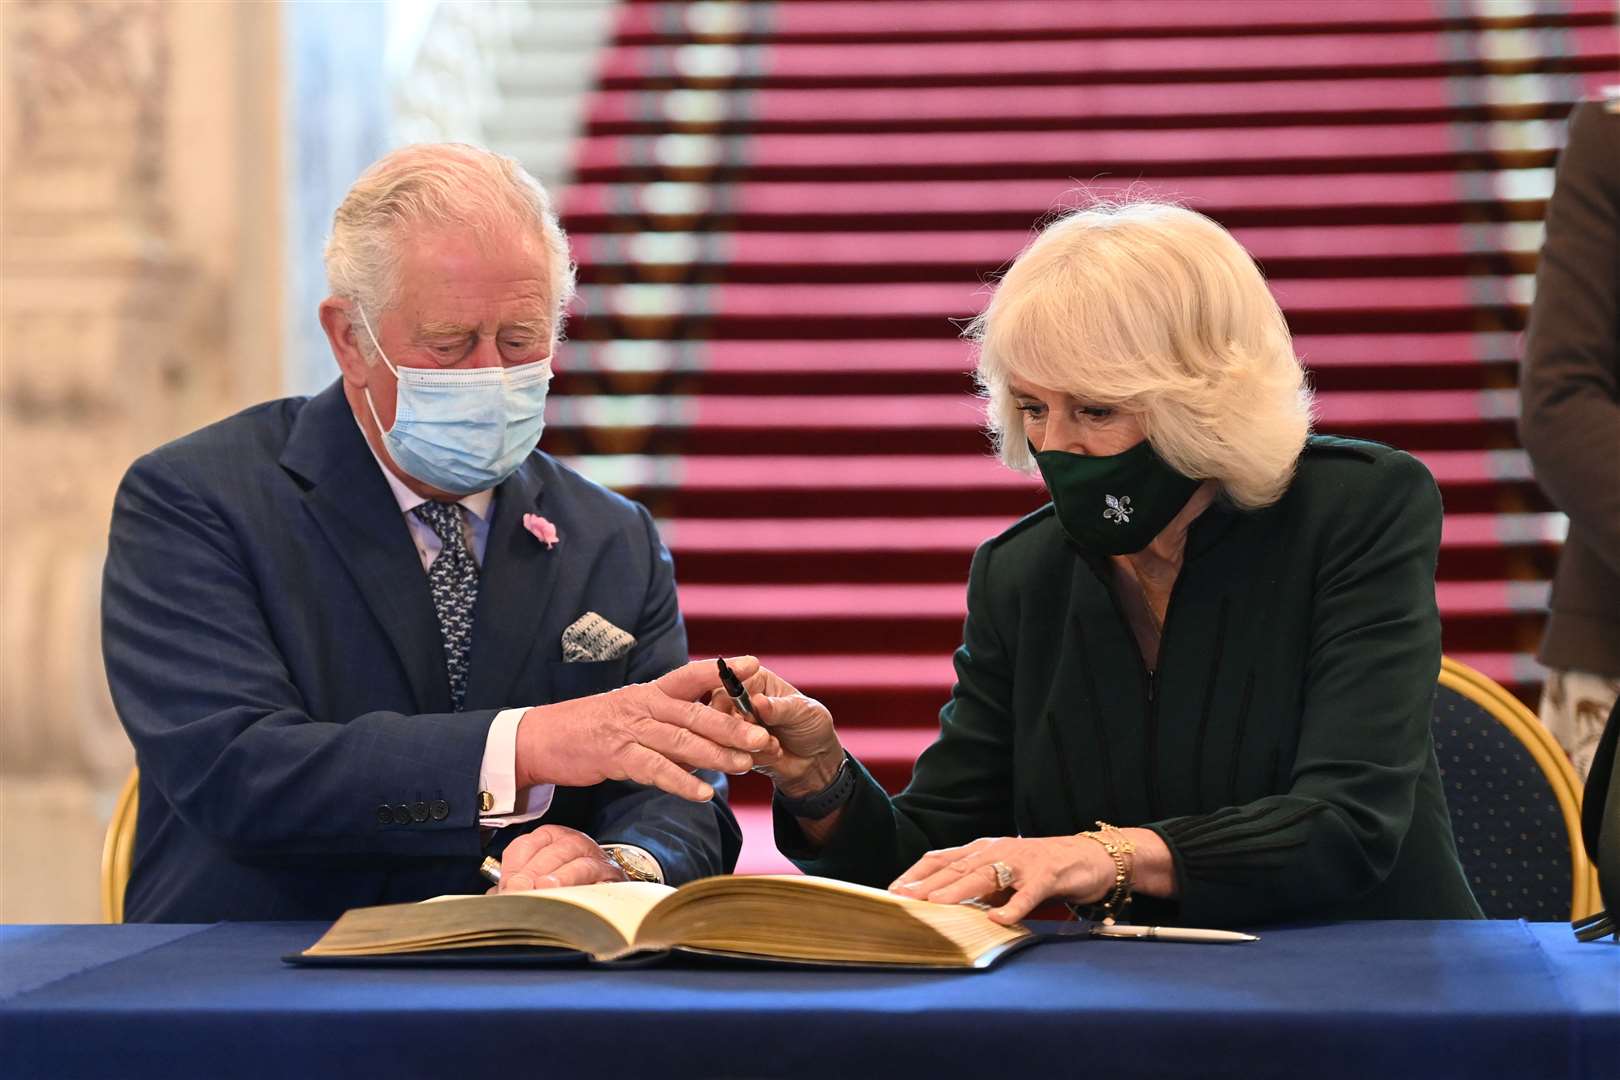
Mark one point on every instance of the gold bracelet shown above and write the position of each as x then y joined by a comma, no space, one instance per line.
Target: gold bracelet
1120,849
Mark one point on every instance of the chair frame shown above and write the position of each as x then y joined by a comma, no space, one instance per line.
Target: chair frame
118,848
1512,714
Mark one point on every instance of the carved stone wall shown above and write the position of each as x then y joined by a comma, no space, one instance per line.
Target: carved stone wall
140,292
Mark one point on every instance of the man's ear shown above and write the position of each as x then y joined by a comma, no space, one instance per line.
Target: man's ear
342,334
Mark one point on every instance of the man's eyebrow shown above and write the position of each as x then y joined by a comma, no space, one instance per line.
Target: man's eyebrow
450,329
443,329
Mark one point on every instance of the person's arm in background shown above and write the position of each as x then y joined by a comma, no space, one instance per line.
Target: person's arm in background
1569,417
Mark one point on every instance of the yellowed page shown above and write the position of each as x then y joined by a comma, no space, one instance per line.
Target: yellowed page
621,904
818,919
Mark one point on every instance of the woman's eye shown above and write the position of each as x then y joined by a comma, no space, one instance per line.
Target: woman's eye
1098,412
1032,412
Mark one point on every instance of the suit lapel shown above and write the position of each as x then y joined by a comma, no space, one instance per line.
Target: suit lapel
514,587
355,510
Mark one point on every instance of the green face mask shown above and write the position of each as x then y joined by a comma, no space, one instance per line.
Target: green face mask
1114,505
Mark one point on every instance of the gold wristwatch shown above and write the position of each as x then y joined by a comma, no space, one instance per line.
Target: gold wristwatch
637,864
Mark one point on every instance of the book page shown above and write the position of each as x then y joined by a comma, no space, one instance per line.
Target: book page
622,904
815,919
599,919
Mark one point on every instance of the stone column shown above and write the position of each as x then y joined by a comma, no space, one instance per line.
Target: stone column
140,293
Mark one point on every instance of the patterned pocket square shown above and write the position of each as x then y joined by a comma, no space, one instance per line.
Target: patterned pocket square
592,638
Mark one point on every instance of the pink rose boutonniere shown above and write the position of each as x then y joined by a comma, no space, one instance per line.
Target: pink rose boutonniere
542,530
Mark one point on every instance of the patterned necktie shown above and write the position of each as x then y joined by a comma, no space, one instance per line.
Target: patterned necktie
453,577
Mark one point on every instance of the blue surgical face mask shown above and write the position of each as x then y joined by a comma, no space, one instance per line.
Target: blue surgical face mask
463,430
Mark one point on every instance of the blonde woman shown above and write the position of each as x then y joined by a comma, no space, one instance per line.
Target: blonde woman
1201,676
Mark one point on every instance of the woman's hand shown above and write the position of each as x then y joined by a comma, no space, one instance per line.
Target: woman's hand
807,754
553,856
1069,868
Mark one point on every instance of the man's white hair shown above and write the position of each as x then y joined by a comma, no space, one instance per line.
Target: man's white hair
1154,309
437,185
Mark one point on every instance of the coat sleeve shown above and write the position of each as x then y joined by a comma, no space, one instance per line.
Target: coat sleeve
690,840
219,726
962,786
1569,418
1364,725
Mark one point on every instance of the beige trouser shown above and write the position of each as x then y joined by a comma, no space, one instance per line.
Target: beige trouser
1574,707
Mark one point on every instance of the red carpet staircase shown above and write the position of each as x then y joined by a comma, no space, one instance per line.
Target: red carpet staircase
779,209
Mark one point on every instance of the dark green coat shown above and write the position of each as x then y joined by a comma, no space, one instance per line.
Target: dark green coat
1283,750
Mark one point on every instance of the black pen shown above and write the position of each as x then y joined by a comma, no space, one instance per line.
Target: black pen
736,690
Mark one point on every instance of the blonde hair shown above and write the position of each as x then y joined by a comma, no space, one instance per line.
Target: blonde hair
1154,309
443,185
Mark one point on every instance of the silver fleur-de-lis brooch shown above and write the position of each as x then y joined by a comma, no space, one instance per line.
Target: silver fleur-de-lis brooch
1119,509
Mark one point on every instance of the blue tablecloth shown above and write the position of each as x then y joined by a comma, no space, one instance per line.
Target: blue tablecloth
1398,999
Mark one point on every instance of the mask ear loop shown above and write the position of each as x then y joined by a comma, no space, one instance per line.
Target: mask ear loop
386,363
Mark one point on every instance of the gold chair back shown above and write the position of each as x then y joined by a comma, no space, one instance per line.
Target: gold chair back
1508,711
118,849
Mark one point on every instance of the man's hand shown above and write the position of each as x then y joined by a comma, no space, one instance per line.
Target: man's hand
652,733
552,856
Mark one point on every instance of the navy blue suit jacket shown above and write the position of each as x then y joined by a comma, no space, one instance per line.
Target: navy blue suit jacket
274,654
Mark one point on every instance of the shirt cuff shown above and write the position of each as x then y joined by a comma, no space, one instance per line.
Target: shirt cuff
502,804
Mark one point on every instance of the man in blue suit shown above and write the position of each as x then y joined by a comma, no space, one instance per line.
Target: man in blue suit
361,640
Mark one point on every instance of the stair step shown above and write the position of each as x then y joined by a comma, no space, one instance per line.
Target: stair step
1042,20
921,358
925,309
909,485
953,423
1442,361
984,155
1336,197
1122,59
1035,108
920,549
967,255
917,618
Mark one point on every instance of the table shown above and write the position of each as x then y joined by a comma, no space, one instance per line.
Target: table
1404,999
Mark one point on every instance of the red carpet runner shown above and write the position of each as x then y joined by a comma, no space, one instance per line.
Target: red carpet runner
780,208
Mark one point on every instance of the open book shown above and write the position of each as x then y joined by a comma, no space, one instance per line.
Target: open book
769,917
